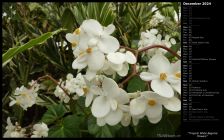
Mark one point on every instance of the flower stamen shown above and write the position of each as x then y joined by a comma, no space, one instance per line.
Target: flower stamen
178,75
77,31
89,50
163,76
151,102
86,90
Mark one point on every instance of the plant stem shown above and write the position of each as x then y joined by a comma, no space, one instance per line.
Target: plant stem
136,52
160,46
55,81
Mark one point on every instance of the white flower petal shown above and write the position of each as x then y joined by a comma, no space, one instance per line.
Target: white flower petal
159,64
154,111
80,62
96,60
124,71
92,27
177,87
90,74
173,41
108,44
130,57
126,119
162,88
116,67
156,119
153,31
176,67
173,104
109,29
71,38
113,104
110,87
146,76
167,37
124,108
89,99
116,58
100,107
137,106
106,65
135,121
12,103
123,97
114,117
100,121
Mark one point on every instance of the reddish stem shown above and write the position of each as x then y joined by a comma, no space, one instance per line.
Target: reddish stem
160,46
55,81
136,52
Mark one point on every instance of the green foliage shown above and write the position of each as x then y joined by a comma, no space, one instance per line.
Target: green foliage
105,131
32,33
6,57
53,113
67,128
68,19
166,127
136,84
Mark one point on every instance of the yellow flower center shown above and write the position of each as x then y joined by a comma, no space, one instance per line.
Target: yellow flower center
89,50
74,44
151,102
77,31
23,94
86,90
163,76
178,75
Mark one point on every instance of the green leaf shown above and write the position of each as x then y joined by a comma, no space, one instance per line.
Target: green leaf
175,48
16,50
68,19
165,127
53,113
101,131
68,128
136,84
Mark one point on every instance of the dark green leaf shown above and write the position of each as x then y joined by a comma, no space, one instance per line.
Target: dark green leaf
68,128
136,84
53,113
101,131
6,57
68,19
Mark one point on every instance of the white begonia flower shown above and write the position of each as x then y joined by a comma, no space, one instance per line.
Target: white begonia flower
152,37
168,41
116,115
40,130
60,93
118,62
92,41
4,14
34,85
156,19
24,97
150,104
108,99
176,71
160,75
13,131
101,36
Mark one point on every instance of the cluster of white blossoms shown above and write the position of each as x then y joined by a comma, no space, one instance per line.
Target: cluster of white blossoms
25,97
95,48
152,37
156,19
16,131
